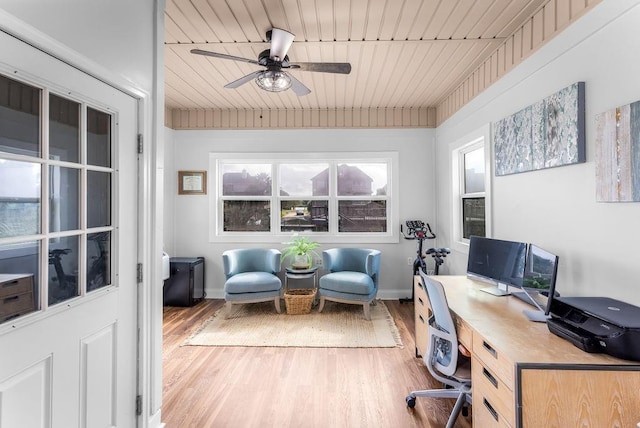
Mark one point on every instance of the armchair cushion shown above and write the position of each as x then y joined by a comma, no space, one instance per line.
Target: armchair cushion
348,282
252,282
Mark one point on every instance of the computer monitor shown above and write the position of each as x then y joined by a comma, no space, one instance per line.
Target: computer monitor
541,269
497,262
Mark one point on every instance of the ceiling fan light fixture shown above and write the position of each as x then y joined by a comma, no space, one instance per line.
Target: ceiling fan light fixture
273,81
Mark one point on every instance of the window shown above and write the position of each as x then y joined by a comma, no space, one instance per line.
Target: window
55,193
472,192
328,195
471,186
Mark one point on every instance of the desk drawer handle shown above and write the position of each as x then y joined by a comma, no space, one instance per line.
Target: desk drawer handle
490,377
10,283
420,301
490,349
11,299
490,409
421,319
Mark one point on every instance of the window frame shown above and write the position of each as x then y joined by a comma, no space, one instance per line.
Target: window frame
459,148
26,244
217,234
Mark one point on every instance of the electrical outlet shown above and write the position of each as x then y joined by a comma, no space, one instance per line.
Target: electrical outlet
318,262
409,261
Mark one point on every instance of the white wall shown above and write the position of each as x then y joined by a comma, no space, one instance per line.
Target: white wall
190,213
116,34
170,191
556,208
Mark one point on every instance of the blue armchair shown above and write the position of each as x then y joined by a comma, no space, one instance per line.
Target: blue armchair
352,278
251,276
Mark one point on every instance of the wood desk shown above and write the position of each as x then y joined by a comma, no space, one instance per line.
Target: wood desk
525,376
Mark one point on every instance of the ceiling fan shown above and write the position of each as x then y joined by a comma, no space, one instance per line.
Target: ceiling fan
275,78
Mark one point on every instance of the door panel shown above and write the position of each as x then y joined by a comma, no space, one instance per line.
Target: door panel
73,363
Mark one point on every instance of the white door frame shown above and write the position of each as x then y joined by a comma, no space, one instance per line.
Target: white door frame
150,122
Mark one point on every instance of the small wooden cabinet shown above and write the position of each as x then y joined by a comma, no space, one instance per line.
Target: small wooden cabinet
16,295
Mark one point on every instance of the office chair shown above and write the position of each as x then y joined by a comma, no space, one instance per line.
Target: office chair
442,358
251,276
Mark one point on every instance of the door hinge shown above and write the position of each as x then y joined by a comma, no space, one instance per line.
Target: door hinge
139,273
138,405
140,145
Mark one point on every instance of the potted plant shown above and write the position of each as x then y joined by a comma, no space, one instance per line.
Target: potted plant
301,251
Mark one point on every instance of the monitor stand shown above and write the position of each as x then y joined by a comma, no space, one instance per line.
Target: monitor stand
535,316
496,291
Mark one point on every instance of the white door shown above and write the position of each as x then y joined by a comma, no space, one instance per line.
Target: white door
68,245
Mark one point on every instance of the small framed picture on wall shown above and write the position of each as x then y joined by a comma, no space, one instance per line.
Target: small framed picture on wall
192,182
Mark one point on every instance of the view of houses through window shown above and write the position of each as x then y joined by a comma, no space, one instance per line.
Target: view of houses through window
297,195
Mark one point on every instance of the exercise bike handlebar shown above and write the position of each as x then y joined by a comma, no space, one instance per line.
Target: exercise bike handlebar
421,232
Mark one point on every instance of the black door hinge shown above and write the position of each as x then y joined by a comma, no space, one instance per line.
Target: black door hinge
138,405
139,273
140,145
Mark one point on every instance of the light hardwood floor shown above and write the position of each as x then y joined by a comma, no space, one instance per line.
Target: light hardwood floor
294,387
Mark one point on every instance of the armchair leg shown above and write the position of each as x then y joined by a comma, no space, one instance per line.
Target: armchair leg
321,305
277,302
227,312
367,311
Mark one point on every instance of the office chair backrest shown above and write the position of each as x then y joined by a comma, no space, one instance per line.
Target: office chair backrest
445,357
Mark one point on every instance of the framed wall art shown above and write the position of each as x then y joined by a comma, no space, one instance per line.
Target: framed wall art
618,154
192,182
546,134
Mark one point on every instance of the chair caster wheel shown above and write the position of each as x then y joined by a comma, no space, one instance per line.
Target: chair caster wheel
411,401
465,411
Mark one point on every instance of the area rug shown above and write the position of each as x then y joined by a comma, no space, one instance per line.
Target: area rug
338,326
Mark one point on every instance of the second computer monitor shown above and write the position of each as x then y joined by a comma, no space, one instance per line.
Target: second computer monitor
540,273
541,269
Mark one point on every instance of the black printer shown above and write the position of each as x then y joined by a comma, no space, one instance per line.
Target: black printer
597,324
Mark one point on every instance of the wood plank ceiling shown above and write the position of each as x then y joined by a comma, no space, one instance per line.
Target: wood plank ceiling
405,54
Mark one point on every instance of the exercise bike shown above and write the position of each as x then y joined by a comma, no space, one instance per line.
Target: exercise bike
66,286
421,231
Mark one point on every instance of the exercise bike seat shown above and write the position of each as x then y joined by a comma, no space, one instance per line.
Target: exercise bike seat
438,251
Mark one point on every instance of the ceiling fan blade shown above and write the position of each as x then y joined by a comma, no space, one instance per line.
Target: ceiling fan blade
243,80
223,56
280,43
298,87
323,67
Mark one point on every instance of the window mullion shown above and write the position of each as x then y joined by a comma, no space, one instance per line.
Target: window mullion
275,198
44,195
82,265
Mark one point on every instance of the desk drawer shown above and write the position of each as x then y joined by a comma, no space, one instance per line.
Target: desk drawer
493,359
16,286
484,416
18,304
465,333
496,397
